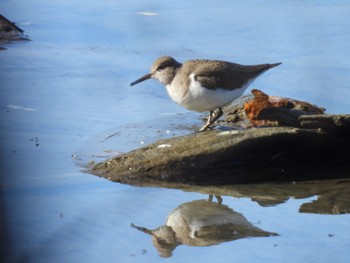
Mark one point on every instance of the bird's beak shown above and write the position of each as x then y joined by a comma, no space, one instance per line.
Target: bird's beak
142,229
145,77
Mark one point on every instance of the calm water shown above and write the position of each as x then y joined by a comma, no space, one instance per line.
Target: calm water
65,99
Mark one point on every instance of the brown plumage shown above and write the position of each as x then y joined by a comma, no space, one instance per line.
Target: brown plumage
214,74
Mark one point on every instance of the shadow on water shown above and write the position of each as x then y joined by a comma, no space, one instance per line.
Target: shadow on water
201,223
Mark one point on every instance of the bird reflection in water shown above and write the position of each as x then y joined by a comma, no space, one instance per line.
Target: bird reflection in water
201,223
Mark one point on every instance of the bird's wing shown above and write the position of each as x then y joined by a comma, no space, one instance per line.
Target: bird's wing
226,75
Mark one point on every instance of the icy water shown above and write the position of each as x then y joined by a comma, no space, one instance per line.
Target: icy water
65,99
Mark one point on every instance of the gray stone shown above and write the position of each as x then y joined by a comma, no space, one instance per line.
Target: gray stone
9,31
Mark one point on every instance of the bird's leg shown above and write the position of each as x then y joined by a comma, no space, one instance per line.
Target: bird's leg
207,124
218,198
213,117
217,113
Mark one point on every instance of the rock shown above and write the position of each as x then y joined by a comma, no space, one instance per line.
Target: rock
234,156
9,31
339,124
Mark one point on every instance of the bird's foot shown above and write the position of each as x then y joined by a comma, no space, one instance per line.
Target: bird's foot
213,117
205,127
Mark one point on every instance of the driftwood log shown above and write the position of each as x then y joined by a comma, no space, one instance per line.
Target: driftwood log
315,146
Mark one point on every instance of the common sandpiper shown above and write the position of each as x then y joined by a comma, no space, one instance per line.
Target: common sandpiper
204,85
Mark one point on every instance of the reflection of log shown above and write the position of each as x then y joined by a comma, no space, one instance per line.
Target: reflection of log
236,156
332,196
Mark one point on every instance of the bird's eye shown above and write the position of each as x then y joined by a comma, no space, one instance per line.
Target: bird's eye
161,67
161,241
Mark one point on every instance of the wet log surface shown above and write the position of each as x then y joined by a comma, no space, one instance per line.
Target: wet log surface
317,149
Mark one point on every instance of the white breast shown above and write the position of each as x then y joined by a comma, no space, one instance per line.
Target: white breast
201,99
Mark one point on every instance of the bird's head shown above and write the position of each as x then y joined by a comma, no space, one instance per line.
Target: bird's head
163,70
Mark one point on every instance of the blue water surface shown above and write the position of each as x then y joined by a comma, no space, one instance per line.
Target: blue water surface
65,99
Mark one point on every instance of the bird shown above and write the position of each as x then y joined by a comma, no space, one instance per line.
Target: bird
204,85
